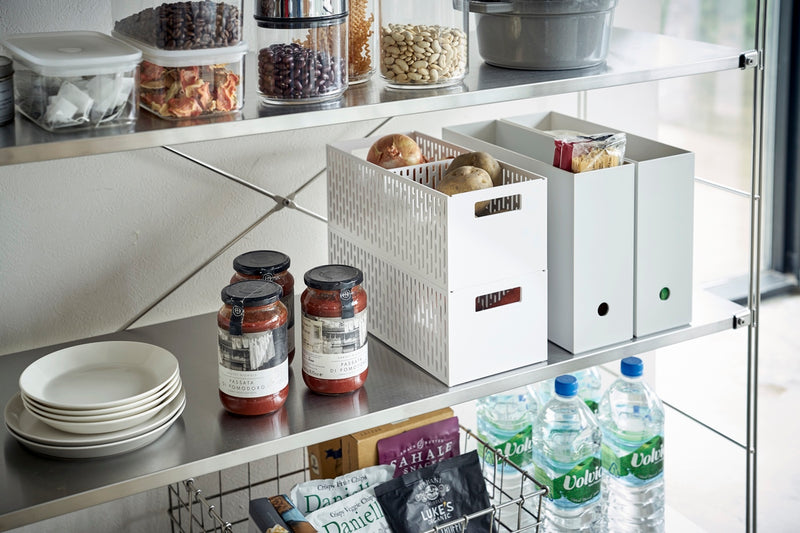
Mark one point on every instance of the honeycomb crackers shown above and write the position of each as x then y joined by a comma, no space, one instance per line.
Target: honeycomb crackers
291,516
266,517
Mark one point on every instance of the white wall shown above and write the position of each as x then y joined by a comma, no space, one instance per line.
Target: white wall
89,243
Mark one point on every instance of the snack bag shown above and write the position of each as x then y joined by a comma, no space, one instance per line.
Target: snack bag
318,493
419,447
358,512
589,152
435,495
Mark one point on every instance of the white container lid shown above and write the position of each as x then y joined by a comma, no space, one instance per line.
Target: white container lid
184,58
72,53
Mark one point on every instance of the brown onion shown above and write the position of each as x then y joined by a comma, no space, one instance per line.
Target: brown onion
395,150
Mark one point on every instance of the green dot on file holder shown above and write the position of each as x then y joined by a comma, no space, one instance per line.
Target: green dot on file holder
663,294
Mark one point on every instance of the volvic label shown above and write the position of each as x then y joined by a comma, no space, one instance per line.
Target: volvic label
517,449
580,485
646,462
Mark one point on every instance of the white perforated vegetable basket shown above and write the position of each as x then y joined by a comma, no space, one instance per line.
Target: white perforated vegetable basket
446,288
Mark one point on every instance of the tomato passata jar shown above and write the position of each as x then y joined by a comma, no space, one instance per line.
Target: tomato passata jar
270,265
334,322
253,359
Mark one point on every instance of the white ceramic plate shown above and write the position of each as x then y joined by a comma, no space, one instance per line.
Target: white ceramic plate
102,450
142,403
154,402
98,375
22,423
105,426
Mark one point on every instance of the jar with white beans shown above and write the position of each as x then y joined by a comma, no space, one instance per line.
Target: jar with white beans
423,43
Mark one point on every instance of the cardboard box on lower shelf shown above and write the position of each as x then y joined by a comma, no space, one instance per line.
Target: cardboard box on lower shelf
360,449
325,459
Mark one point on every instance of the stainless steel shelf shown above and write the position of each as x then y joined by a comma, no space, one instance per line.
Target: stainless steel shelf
634,57
207,439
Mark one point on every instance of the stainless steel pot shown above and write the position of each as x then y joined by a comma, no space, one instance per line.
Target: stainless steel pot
543,34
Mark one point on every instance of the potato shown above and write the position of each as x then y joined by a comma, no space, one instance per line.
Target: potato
480,160
466,179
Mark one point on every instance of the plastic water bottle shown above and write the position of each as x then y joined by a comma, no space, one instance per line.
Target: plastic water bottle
504,422
566,455
589,387
632,420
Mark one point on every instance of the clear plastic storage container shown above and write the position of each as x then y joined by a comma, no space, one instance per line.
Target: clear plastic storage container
423,43
191,83
179,25
70,80
303,51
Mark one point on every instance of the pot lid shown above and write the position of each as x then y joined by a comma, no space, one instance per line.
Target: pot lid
299,9
540,7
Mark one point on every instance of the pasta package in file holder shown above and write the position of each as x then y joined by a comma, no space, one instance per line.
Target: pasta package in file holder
582,153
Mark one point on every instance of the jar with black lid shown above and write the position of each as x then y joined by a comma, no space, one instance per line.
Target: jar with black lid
334,305
270,265
303,50
252,356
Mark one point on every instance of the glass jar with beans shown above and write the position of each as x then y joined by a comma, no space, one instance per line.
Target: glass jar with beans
423,43
303,50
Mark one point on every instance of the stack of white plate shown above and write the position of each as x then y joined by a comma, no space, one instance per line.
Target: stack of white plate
97,399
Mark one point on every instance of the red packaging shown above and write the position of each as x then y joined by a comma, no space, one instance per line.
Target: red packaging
589,152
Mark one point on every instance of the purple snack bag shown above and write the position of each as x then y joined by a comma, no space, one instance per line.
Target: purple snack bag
420,447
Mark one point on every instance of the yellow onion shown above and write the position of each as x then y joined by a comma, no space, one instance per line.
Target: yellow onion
394,151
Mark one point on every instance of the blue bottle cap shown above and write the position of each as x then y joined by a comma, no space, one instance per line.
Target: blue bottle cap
631,367
566,385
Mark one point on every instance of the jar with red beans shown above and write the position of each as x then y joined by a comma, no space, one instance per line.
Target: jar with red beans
334,334
253,360
269,265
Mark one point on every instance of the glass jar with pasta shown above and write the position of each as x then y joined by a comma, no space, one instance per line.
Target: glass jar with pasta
362,41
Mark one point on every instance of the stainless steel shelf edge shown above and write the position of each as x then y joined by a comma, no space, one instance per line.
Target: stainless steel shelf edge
634,57
207,438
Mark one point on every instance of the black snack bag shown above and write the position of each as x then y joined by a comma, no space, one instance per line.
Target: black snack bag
436,494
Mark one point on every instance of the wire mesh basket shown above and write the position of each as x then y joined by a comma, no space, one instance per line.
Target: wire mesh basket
516,498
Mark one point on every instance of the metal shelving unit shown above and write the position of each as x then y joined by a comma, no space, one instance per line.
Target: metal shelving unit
207,439
633,57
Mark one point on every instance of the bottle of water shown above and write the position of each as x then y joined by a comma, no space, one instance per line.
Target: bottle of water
566,455
504,422
589,387
632,420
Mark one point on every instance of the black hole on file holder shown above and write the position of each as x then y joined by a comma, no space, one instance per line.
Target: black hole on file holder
602,309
